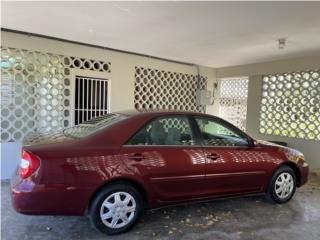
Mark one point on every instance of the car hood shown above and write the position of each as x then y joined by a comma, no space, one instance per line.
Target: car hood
45,138
263,142
271,144
291,153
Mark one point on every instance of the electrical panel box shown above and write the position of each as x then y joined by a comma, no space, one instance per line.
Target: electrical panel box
203,97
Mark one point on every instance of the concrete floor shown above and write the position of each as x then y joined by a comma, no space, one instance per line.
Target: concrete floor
242,218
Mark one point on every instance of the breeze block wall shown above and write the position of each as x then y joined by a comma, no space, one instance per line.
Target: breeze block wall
37,86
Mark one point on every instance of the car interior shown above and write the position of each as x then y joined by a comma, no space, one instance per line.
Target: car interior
176,131
167,131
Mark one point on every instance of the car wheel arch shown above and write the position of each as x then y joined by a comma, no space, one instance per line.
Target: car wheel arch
293,166
296,170
139,187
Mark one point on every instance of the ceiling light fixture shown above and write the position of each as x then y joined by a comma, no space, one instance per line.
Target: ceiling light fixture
282,43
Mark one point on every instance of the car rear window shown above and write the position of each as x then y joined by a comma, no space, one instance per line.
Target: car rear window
93,125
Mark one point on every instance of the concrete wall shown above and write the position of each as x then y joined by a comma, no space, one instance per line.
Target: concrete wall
10,157
310,148
122,83
122,64
287,65
121,77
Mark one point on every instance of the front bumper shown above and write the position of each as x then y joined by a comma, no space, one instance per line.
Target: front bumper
304,173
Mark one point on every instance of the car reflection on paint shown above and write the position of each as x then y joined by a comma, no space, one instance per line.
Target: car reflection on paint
114,166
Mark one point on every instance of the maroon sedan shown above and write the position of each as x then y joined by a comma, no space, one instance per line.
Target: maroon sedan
115,166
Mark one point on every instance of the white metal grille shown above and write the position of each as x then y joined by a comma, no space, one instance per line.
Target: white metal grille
91,98
233,101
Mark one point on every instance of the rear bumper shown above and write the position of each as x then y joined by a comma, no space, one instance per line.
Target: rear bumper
38,199
34,203
304,173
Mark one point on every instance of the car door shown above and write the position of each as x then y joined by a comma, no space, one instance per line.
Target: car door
167,156
232,164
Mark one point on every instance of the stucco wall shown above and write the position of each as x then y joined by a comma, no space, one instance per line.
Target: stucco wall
122,64
310,148
10,157
122,85
121,77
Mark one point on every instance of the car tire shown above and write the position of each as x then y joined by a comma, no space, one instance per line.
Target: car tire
116,208
282,185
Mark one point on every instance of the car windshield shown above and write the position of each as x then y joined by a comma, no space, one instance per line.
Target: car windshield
93,125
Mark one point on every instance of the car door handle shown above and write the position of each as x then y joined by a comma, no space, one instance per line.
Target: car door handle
213,156
136,157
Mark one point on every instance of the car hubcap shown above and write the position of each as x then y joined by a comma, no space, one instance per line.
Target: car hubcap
284,185
118,209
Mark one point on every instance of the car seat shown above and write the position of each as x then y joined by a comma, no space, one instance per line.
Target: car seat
174,137
157,133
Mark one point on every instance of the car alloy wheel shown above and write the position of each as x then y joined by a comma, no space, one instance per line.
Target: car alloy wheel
117,210
284,185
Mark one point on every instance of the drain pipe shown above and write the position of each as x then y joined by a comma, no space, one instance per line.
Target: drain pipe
214,87
198,75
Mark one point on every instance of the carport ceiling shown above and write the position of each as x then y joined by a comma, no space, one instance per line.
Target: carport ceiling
214,34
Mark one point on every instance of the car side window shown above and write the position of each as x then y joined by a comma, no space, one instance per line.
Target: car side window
216,134
170,130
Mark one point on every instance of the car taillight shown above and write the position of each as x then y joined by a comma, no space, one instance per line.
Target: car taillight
29,164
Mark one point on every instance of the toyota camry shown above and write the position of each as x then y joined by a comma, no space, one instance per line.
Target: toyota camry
113,167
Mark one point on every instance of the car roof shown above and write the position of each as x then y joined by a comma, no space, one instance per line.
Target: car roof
149,112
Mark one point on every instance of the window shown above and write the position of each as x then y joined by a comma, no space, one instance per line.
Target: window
233,101
216,134
91,99
173,130
290,105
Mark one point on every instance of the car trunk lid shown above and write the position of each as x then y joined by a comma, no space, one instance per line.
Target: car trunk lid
45,138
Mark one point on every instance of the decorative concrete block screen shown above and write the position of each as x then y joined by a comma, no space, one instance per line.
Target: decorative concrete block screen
233,101
87,64
36,91
158,89
290,105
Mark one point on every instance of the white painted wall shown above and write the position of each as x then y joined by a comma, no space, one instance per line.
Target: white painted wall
310,148
10,157
122,64
122,84
288,65
121,77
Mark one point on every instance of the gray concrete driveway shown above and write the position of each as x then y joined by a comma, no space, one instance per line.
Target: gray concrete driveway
241,218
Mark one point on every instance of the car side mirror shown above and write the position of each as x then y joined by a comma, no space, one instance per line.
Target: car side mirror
251,142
